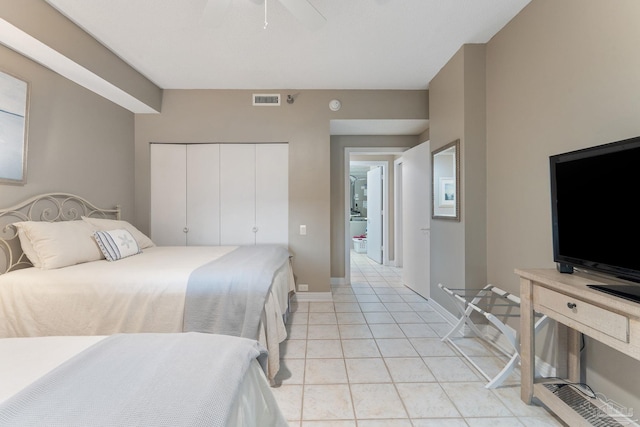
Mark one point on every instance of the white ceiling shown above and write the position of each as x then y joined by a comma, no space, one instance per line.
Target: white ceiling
364,44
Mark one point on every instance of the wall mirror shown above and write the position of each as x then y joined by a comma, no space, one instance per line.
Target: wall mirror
445,169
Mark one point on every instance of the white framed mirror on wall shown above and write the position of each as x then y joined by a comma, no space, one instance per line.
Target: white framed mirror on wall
445,167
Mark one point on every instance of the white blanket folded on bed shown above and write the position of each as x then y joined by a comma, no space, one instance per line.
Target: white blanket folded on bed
140,379
227,295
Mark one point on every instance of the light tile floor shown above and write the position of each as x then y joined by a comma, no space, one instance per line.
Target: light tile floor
373,358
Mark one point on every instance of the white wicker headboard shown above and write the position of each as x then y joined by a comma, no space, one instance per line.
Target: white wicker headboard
45,207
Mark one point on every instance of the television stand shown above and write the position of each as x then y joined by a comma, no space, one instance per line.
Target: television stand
576,308
630,292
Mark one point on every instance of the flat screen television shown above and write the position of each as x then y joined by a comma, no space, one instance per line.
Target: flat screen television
594,207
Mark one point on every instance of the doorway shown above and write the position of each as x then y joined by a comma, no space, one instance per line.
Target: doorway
357,218
407,231
368,208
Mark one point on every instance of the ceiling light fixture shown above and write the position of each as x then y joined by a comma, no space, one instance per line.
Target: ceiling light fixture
334,105
215,11
265,15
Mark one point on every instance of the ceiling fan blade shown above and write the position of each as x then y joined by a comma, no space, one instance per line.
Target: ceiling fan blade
305,12
214,12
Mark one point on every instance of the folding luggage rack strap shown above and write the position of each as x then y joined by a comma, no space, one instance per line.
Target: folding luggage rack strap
469,300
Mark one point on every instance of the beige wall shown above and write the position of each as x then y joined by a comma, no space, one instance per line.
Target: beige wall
561,75
457,99
227,116
78,142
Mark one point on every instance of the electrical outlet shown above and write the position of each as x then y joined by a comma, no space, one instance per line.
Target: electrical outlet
303,287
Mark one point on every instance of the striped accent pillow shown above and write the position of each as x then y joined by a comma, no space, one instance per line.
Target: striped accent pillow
116,244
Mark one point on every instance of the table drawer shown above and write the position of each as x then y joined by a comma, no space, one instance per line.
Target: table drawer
591,316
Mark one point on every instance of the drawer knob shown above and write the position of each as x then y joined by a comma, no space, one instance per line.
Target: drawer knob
571,305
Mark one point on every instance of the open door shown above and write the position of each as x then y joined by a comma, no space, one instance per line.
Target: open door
416,218
374,214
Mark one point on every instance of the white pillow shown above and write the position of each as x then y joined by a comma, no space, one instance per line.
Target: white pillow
26,245
103,224
116,244
58,244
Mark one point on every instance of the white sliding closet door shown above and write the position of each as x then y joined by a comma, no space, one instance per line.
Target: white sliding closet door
219,194
203,194
237,194
168,194
272,193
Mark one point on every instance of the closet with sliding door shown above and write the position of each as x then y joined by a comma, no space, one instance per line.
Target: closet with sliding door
219,194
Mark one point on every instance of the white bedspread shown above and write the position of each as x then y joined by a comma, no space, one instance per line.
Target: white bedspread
142,293
25,360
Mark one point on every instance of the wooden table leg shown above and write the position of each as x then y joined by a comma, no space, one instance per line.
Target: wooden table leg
573,355
527,344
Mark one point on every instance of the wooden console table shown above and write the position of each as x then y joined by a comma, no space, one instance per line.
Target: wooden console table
577,309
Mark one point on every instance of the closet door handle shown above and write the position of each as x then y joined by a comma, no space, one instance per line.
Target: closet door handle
254,229
185,230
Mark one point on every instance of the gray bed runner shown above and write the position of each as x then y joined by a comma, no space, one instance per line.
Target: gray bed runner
227,296
185,379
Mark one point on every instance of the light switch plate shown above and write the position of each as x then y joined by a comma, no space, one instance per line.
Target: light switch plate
303,230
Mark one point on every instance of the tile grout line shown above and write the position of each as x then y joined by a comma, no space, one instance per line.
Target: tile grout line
346,372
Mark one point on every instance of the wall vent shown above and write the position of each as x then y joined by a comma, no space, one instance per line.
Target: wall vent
593,414
266,99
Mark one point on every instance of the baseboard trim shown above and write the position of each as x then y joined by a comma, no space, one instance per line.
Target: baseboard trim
313,297
339,281
450,318
545,370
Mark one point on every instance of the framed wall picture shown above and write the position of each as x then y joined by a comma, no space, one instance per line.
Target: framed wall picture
14,108
447,194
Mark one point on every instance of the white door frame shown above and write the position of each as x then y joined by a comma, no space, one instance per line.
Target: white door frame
397,213
376,214
347,201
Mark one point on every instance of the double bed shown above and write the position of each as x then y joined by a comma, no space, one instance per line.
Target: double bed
136,379
76,291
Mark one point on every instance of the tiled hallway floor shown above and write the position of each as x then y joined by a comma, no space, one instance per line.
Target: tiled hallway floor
373,358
